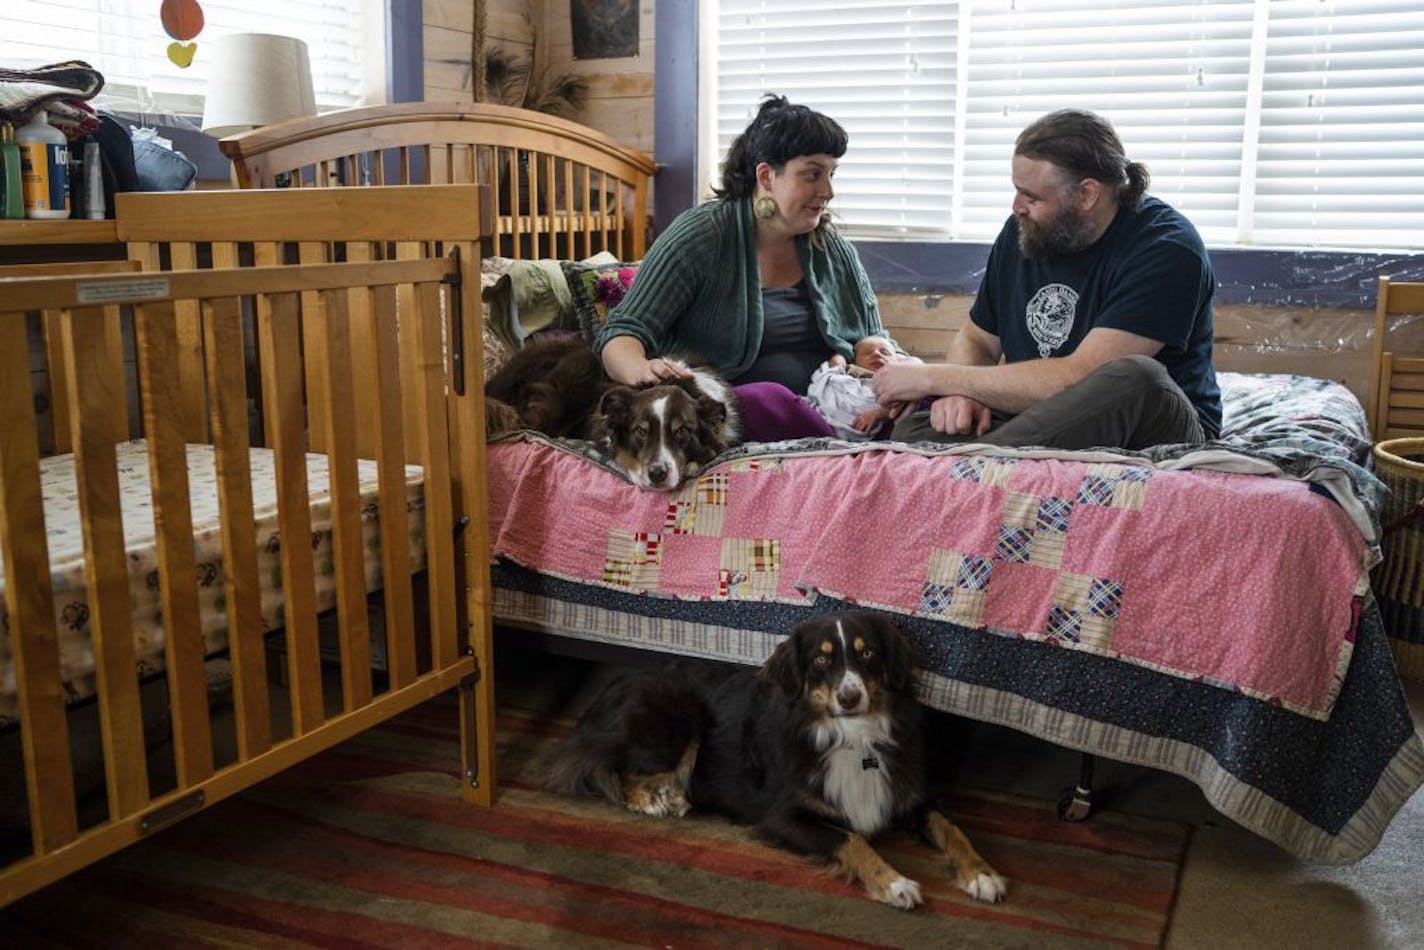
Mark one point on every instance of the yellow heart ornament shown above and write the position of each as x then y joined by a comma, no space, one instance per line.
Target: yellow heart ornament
181,54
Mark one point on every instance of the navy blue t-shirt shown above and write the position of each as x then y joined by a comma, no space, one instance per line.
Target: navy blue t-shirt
1148,274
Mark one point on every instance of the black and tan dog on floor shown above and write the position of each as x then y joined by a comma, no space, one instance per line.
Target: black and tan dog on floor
660,435
819,750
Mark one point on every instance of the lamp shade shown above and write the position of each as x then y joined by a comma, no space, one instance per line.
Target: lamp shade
256,79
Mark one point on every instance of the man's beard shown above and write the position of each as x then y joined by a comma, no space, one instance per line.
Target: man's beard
1069,232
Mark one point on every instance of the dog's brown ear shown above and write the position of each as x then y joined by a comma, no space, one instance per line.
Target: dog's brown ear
900,654
783,668
711,417
606,426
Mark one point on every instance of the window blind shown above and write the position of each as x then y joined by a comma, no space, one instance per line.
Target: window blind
885,70
1171,77
1341,153
124,40
1267,122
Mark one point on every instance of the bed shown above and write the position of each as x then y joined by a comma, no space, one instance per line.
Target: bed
1203,611
130,553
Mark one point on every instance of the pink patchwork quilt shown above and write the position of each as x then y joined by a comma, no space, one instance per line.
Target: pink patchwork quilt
1247,582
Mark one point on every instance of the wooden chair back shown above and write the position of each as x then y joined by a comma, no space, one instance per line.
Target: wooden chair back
1396,398
558,189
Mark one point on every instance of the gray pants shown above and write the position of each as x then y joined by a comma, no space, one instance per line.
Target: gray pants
1130,403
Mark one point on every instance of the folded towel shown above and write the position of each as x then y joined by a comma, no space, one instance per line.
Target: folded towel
22,91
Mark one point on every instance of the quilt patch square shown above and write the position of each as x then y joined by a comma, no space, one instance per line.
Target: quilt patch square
1034,530
1085,610
1014,544
956,587
1115,486
699,507
750,569
994,472
633,559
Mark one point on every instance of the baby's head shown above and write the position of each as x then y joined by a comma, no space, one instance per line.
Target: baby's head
873,352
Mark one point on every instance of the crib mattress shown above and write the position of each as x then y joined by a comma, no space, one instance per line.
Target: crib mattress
66,553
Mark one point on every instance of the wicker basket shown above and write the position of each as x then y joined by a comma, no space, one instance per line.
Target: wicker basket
1399,578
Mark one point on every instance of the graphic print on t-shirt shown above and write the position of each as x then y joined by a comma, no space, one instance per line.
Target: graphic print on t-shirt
1050,316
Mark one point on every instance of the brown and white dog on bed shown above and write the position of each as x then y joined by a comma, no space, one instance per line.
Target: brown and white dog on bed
660,435
819,750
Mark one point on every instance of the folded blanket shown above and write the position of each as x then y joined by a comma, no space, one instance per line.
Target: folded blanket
22,91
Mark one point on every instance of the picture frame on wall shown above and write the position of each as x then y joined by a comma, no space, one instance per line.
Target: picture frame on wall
604,29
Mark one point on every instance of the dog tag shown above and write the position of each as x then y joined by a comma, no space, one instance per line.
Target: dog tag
870,762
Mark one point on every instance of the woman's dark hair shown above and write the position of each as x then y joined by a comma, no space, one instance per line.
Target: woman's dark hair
1085,145
779,132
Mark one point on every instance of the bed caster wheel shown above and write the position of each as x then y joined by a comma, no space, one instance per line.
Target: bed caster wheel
1076,804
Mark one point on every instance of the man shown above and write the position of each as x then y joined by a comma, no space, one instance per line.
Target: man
1093,322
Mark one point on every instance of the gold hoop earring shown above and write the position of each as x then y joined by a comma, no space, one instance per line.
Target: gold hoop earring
765,207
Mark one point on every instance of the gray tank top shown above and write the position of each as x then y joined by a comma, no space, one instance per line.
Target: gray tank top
791,343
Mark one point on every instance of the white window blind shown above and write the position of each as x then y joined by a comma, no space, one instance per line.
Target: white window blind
885,70
1268,122
1171,77
1341,154
124,40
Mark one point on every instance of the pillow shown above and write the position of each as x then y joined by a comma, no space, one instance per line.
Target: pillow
597,289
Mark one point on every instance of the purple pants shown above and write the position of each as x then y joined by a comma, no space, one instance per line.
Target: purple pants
771,413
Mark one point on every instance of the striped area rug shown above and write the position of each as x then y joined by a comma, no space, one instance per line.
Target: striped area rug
369,845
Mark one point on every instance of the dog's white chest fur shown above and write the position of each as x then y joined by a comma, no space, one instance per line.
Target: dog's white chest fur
857,780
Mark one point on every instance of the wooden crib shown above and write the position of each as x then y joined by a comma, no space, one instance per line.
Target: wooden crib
558,189
369,291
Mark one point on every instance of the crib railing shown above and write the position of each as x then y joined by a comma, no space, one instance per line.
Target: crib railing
306,315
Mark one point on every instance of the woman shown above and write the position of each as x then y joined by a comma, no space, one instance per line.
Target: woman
757,282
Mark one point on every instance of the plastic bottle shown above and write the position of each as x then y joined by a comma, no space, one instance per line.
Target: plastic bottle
44,152
12,182
94,207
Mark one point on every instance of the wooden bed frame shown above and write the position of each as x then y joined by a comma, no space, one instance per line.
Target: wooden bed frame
367,284
559,189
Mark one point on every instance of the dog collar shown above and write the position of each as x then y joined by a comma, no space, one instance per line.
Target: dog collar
870,762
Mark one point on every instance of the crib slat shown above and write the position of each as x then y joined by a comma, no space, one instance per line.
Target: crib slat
346,542
313,350
395,520
222,328
279,342
94,376
428,390
570,211
363,358
161,395
188,366
58,391
587,214
29,602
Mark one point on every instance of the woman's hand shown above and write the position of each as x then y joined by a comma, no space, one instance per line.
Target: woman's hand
657,369
626,362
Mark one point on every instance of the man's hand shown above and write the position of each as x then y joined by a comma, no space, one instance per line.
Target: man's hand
902,382
959,415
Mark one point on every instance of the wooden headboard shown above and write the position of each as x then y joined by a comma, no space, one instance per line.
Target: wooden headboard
560,189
